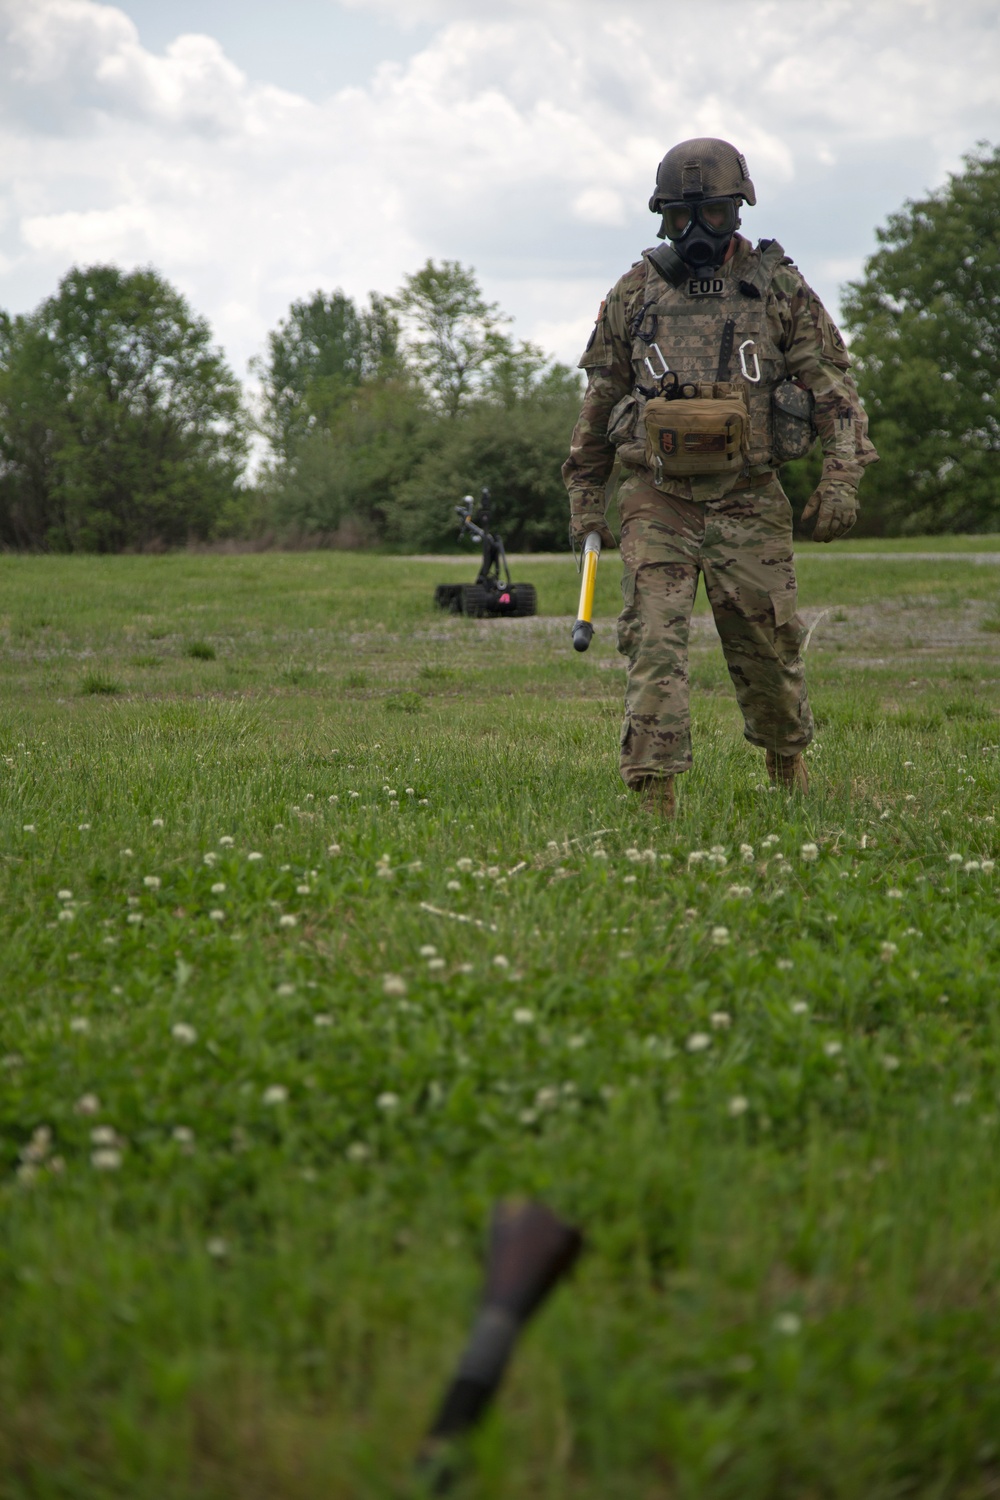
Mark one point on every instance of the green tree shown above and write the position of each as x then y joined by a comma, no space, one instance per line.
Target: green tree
321,352
454,339
925,320
120,425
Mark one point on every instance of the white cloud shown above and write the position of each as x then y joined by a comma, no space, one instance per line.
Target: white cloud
523,139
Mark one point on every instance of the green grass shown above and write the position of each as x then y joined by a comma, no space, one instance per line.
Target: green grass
768,1089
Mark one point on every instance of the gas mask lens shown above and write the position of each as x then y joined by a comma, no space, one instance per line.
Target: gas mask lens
717,215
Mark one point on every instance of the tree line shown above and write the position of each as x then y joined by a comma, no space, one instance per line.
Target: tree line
122,427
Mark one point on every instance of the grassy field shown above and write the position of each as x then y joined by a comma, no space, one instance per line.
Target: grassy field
256,1098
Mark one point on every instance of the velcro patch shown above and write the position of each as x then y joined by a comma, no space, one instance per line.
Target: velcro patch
705,286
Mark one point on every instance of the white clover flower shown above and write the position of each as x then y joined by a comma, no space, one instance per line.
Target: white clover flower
354,794
720,936
603,854
107,1159
955,859
788,1323
388,1102
357,1151
226,841
908,762
628,880
547,1098
322,1019
64,895
887,952
464,864
809,852
209,858
971,864
393,984
696,856
284,869
453,885
698,1041
410,792
501,962
125,853
135,917
721,1020
182,1032
890,1063
216,1247
79,1023
27,827
833,1049
85,827
633,855
466,968
746,853
275,1093
333,849
739,892
718,849
288,920
784,964
424,802
104,1135
152,882
217,914
157,822
987,866
738,1105
218,888
718,860
799,1007
303,890
383,868
769,839
183,1134
909,797
894,893
436,963
67,914
523,1017
87,1104
333,798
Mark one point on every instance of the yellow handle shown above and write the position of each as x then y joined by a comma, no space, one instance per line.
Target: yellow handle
586,608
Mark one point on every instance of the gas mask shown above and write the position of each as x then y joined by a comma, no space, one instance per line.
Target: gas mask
700,231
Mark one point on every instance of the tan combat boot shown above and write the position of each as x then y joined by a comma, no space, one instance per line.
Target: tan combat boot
658,796
788,771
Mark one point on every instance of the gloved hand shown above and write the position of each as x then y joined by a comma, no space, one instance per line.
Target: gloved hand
835,506
579,526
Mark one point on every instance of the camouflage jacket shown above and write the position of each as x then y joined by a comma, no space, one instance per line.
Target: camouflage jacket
797,324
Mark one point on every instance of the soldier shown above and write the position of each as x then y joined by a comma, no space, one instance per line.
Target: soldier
710,364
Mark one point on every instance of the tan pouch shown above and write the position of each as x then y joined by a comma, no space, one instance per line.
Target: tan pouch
701,435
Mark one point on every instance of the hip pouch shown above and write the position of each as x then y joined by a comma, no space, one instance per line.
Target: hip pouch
696,435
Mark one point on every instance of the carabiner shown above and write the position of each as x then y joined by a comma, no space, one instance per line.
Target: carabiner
755,378
657,374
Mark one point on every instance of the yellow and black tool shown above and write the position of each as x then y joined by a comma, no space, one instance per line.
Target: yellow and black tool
583,630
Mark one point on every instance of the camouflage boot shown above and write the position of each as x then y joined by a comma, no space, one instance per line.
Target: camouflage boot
658,797
788,771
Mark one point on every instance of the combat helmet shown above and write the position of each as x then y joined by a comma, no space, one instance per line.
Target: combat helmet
702,168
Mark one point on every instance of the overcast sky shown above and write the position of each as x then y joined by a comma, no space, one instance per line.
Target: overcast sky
254,152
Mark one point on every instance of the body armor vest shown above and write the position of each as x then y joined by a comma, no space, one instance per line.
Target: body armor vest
708,338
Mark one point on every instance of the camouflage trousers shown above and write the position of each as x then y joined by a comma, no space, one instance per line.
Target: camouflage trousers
742,544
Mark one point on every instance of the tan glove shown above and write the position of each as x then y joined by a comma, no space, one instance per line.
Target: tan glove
580,525
835,506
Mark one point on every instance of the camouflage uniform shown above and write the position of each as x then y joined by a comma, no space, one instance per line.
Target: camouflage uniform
736,528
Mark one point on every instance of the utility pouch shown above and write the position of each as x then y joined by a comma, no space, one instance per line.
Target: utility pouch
792,414
625,431
697,435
